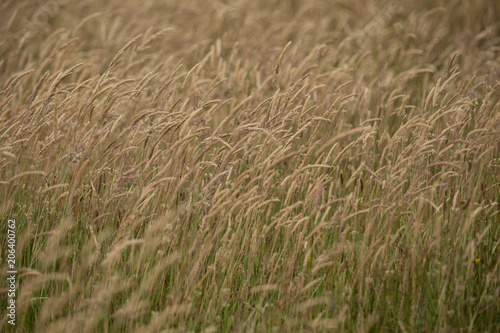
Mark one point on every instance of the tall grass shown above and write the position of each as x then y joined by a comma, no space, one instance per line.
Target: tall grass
251,165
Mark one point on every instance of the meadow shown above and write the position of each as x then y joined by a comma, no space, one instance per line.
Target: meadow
251,166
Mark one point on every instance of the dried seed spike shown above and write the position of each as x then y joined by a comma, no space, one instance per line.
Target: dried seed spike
31,98
15,79
278,63
123,49
448,71
189,74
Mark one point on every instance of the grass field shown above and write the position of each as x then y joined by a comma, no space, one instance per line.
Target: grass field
253,166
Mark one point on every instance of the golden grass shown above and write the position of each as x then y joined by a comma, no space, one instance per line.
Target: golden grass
252,165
